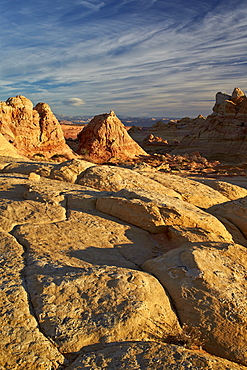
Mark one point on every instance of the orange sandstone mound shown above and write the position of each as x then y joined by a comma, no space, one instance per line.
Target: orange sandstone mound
105,138
33,131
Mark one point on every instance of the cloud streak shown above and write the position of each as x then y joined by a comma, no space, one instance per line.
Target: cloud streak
161,57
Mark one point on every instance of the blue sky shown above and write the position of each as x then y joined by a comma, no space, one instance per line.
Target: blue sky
137,57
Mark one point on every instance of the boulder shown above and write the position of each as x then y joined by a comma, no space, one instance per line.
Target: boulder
207,283
85,285
100,304
155,212
234,211
112,178
150,355
105,138
190,191
70,170
230,191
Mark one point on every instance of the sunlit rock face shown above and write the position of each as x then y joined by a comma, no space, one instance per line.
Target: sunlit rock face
104,267
222,135
105,138
33,131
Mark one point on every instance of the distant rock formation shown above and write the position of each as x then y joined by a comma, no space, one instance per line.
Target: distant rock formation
222,136
151,140
105,138
32,131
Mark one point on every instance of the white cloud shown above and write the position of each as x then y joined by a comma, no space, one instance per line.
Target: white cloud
74,102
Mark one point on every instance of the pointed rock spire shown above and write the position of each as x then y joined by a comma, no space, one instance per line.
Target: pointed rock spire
106,138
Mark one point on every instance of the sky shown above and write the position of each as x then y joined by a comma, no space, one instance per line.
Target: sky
153,58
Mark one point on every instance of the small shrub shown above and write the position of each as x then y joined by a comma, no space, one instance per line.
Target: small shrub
40,155
190,338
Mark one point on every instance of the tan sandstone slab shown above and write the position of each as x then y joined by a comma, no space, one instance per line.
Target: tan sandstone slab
70,170
156,213
100,304
207,283
111,178
190,191
85,283
229,190
234,211
150,356
22,345
27,211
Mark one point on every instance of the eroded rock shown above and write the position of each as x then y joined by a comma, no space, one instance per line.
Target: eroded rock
32,131
150,355
207,283
22,345
106,138
111,178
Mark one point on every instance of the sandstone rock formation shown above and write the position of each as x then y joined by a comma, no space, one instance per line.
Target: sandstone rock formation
103,267
105,138
216,308
150,355
171,132
222,136
32,131
151,140
7,149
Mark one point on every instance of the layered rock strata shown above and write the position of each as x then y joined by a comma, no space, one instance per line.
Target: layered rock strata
106,139
33,131
222,136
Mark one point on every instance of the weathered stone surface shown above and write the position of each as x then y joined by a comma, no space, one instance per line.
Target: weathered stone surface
111,178
85,285
22,344
28,211
207,283
101,305
25,167
150,356
87,239
190,191
7,149
222,136
70,170
32,131
230,191
234,211
82,269
155,213
105,138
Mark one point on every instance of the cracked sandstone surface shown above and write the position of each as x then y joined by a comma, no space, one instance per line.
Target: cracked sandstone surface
101,267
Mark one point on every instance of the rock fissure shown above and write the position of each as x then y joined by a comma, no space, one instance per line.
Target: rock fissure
25,281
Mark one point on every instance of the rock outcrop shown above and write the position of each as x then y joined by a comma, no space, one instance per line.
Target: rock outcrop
103,267
222,136
7,149
106,139
33,132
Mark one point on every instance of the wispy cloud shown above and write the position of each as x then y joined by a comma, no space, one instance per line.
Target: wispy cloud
167,58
